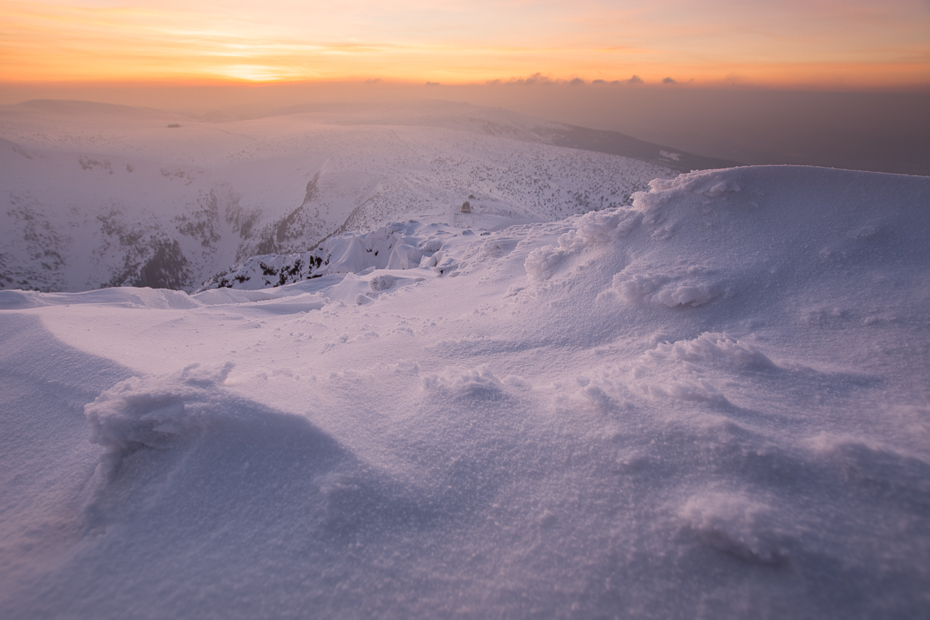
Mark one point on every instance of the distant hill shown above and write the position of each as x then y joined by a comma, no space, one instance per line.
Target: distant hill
95,195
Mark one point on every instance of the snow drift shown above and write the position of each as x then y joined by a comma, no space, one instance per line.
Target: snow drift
710,403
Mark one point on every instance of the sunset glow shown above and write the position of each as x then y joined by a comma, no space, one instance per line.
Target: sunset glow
820,43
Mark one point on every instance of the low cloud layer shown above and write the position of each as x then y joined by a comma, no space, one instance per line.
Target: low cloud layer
880,131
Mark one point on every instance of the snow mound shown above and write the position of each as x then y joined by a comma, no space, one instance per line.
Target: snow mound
709,346
592,229
139,413
733,524
709,238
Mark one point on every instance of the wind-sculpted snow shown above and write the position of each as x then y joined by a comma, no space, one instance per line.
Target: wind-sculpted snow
132,416
709,403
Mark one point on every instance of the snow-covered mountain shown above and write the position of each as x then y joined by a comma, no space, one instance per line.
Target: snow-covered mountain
98,195
712,403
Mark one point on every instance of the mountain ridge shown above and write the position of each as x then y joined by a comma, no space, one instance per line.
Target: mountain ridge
150,198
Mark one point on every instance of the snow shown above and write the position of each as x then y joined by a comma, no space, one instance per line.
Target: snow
712,402
93,195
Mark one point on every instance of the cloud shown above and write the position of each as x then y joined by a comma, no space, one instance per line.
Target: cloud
533,80
669,80
635,80
432,84
463,42
576,82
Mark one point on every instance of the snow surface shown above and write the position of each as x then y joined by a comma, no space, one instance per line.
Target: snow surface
711,403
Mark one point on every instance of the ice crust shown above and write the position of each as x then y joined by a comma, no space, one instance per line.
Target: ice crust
711,403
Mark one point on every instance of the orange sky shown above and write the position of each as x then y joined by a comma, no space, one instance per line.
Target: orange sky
815,43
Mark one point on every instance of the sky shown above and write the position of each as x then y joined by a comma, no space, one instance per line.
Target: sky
824,44
822,82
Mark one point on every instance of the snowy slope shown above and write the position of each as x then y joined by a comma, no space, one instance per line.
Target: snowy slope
94,195
713,404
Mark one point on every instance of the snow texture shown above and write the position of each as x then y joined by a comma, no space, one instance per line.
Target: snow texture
709,403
